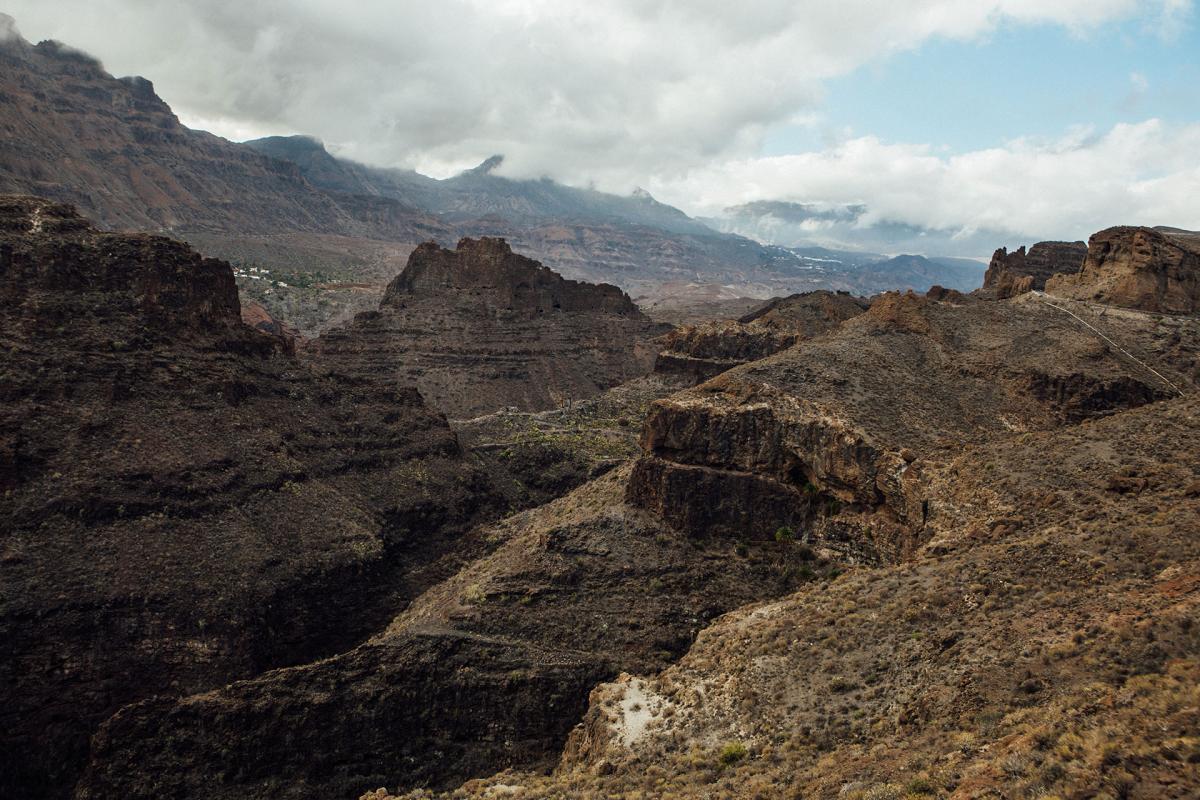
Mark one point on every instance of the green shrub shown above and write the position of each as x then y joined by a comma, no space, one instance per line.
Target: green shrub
919,786
732,753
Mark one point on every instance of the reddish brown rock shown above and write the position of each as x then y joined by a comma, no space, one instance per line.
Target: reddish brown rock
257,317
1144,268
137,167
1010,274
707,349
828,437
481,328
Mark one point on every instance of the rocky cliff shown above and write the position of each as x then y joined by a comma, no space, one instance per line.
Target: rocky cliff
486,671
1042,643
827,436
481,328
1019,501
232,575
137,167
1010,274
707,349
1143,268
185,504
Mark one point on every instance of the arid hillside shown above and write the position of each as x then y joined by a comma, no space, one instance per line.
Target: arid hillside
1014,486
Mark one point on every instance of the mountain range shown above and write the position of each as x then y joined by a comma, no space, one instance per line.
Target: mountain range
361,510
287,204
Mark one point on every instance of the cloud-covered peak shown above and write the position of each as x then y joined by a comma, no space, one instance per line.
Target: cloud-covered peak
676,97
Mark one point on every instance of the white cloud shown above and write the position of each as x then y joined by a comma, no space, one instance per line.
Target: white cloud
620,93
1132,174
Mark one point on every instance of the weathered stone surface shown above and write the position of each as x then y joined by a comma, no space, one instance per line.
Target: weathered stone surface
74,133
488,271
833,431
708,349
1143,268
1011,274
481,328
1047,608
488,670
257,317
184,503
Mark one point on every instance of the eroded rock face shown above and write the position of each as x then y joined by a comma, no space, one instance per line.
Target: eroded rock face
708,349
488,270
1048,607
488,670
481,328
1143,268
829,437
257,317
1011,274
184,503
137,167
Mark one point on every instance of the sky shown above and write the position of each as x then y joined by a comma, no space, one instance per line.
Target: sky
1038,119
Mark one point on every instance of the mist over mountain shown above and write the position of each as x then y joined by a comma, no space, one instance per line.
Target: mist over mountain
476,192
849,227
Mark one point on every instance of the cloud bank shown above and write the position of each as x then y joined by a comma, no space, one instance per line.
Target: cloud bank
1146,173
672,95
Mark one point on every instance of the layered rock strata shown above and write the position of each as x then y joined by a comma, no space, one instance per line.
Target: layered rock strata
185,504
1042,642
486,671
708,349
481,328
828,438
1144,268
1011,274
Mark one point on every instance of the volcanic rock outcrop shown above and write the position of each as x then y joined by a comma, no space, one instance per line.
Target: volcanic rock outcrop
296,511
827,437
1150,269
184,503
481,328
1042,644
1011,274
1020,496
257,317
704,350
486,671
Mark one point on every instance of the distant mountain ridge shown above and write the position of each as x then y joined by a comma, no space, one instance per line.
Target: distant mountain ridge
848,227
477,192
138,168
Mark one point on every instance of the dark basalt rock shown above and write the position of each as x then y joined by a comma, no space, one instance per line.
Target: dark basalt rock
488,670
184,503
488,270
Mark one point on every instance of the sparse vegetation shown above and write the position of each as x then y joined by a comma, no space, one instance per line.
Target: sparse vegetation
731,753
